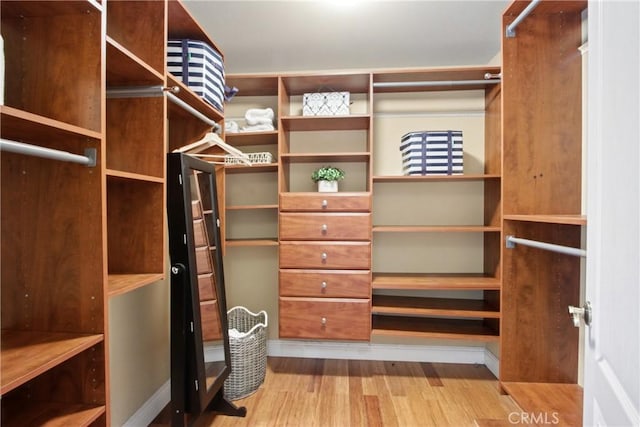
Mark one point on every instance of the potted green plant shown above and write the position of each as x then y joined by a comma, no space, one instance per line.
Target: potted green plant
327,178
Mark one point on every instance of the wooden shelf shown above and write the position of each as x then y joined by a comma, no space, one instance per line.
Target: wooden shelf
251,207
325,157
122,283
191,98
182,25
303,83
133,176
435,229
251,242
563,400
126,69
550,219
413,306
239,139
314,123
20,413
25,355
443,75
410,281
258,168
28,127
253,84
433,178
438,328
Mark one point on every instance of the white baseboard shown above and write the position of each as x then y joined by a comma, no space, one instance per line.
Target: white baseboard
151,408
340,350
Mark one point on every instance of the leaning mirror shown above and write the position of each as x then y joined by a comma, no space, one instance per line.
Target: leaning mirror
200,358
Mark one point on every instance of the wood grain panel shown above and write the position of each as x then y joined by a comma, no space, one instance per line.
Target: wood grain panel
200,233
317,318
539,342
52,222
326,283
325,226
206,287
542,112
338,255
144,37
326,202
135,226
31,41
136,135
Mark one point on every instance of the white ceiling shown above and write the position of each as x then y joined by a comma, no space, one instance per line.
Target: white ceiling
301,35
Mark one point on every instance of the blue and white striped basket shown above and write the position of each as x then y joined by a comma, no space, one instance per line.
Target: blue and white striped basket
432,153
200,67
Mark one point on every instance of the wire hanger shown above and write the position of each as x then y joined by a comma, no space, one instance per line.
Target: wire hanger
212,139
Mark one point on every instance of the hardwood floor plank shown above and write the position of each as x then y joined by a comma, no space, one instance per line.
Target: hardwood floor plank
364,393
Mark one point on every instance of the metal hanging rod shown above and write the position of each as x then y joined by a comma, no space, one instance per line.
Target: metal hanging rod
89,159
511,242
511,28
437,83
154,91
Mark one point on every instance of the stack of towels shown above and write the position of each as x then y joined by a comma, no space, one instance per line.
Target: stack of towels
256,119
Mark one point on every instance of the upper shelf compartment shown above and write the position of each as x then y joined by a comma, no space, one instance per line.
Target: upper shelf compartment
436,79
143,38
47,66
182,25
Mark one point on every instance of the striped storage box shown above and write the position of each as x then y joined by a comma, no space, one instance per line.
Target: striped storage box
432,153
198,66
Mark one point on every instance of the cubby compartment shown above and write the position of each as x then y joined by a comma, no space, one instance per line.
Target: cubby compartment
135,228
50,71
143,39
135,136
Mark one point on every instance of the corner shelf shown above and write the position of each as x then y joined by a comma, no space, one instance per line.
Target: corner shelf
325,157
314,123
119,284
411,306
239,139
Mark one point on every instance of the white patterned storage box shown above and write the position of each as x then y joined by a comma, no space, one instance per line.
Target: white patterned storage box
325,104
432,153
200,67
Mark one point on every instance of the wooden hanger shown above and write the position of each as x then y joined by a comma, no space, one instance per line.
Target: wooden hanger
212,139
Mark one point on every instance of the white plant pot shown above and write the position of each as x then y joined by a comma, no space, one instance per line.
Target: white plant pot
327,186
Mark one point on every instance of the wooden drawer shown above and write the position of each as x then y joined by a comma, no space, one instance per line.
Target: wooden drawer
206,287
211,328
318,318
203,260
338,255
325,202
326,283
325,226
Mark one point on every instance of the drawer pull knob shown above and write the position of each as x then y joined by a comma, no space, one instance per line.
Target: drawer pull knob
325,203
324,228
324,255
323,321
324,285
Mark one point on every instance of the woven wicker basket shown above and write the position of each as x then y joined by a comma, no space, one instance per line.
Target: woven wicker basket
248,348
260,158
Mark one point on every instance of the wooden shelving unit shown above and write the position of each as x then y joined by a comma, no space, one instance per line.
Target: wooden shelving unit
52,291
426,313
542,201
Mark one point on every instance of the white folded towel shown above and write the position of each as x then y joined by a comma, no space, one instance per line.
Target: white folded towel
259,116
258,128
231,127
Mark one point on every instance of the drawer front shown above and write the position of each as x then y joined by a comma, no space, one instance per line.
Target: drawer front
325,226
325,283
338,255
316,318
211,328
325,202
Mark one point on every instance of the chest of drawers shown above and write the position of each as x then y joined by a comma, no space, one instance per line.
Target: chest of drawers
325,266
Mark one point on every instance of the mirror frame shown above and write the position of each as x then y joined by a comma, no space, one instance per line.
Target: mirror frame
189,393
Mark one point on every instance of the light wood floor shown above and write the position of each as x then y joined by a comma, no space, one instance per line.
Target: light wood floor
313,392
